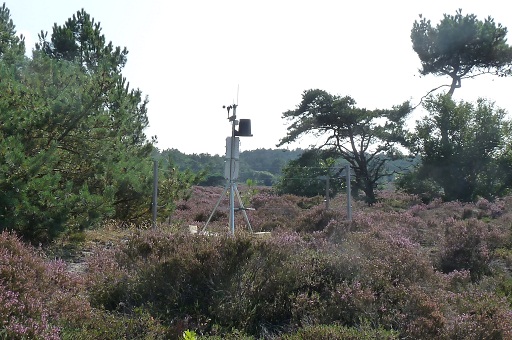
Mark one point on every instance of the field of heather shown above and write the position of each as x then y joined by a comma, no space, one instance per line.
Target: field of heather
400,269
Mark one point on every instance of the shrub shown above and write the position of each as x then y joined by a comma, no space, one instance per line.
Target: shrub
37,297
466,247
275,212
315,219
115,325
318,275
338,332
479,315
176,277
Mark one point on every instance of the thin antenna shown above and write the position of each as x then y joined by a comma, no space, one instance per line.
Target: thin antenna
237,91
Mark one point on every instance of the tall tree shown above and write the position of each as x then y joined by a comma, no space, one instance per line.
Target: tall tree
80,40
118,113
12,47
366,139
73,148
461,47
463,147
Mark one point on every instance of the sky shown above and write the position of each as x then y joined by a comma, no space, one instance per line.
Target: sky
193,57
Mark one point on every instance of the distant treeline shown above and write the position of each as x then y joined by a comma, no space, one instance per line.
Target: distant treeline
262,166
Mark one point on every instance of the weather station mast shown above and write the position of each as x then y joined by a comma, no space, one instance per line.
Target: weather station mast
232,168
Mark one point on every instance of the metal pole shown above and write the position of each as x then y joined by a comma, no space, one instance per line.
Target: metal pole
349,195
327,180
241,204
232,209
231,174
155,191
216,206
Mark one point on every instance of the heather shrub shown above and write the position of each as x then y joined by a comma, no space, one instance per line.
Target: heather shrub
339,332
199,206
347,302
37,297
391,260
233,334
478,315
175,277
115,325
467,246
396,272
286,285
456,281
256,294
202,216
389,200
412,270
198,282
310,202
316,219
106,279
490,209
395,225
275,212
483,209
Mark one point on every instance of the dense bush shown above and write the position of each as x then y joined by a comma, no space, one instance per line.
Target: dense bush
386,268
400,269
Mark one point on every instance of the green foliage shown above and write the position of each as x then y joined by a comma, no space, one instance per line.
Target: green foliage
426,188
461,46
364,138
261,166
72,150
12,47
174,185
80,41
306,176
463,149
189,335
248,194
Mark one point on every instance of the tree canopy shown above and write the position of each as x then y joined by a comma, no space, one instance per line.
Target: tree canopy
306,176
73,151
463,146
366,139
80,40
461,46
464,149
73,148
12,47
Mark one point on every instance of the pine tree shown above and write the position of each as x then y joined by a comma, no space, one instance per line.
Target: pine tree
73,150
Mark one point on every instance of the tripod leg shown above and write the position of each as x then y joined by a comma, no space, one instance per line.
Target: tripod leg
243,208
216,206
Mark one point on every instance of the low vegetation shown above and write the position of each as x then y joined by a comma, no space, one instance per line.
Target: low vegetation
400,269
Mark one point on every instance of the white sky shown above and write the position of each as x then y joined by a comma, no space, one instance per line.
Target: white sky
193,57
